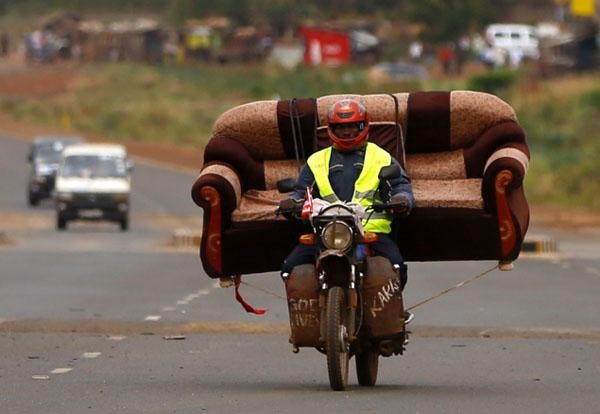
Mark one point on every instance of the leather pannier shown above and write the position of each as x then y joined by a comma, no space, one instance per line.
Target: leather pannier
382,305
302,290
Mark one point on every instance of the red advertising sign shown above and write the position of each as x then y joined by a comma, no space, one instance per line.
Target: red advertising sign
325,46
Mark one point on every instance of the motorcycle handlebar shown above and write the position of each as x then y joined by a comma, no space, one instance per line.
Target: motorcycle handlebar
379,207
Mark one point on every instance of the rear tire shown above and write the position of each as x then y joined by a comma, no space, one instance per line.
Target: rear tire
367,364
336,334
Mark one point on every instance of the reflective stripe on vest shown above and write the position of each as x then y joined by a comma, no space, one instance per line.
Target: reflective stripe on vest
365,187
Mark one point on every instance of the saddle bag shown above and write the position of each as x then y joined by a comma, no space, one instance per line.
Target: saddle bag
383,308
302,290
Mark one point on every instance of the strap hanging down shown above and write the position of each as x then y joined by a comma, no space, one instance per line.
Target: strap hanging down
399,133
249,308
297,132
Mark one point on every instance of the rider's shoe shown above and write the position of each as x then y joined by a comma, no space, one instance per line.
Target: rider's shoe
408,317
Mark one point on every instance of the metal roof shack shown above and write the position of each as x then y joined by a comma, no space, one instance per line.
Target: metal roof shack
138,40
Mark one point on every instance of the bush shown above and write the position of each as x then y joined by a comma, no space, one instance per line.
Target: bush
495,82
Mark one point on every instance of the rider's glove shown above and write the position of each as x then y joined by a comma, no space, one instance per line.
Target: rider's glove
289,207
399,204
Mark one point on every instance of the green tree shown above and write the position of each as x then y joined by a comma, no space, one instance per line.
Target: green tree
446,20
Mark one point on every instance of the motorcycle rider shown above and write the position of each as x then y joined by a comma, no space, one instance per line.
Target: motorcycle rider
347,171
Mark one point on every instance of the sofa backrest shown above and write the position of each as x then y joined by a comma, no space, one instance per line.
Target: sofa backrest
447,135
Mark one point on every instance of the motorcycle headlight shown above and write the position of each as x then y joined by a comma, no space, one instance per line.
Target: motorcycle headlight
337,235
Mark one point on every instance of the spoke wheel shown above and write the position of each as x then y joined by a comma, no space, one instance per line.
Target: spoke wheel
337,339
367,363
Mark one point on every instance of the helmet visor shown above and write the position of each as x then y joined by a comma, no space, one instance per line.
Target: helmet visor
347,130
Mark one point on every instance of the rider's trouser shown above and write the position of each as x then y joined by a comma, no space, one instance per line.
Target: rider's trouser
384,246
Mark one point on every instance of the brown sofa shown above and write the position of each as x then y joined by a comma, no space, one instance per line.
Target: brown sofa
464,151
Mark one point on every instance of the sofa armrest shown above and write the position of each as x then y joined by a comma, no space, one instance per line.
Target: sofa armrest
218,191
502,190
225,180
509,158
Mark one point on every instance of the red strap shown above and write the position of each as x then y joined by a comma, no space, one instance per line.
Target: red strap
245,305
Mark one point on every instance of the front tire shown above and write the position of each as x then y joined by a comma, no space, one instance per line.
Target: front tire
124,223
367,364
33,199
336,334
61,222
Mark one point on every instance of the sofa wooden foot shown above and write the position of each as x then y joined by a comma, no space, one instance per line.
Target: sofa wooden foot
226,282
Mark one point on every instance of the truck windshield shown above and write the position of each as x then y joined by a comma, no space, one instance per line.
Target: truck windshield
49,152
89,166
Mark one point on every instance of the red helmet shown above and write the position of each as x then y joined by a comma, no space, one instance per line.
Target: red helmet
348,124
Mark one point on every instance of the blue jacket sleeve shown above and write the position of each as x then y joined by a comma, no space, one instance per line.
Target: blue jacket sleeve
403,186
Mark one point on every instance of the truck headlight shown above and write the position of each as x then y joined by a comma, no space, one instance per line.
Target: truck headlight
121,197
337,235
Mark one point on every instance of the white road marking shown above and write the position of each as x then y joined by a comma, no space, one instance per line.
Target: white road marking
183,302
61,370
169,309
91,355
116,338
153,318
40,377
203,292
592,270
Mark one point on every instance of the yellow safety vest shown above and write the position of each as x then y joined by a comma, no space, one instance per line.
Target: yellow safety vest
365,187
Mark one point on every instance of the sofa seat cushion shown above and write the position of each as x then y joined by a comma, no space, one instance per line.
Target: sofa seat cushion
258,205
460,193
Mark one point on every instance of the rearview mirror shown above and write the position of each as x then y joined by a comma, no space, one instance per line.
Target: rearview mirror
286,185
389,172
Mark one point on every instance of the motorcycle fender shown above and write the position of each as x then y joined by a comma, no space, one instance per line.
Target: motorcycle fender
336,266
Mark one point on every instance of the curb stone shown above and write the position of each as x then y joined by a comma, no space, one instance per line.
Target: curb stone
184,237
539,244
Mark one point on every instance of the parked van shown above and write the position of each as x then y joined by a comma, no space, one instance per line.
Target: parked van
520,38
93,183
44,156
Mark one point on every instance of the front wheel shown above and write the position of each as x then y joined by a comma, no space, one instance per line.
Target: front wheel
61,222
124,223
337,337
33,199
367,364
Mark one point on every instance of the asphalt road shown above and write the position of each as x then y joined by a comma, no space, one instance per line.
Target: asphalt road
84,315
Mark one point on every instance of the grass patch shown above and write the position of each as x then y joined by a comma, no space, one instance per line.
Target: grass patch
562,123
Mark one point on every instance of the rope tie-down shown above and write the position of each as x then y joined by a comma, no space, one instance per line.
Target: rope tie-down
237,281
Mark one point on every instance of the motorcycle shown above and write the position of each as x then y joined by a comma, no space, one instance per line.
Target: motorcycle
349,303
